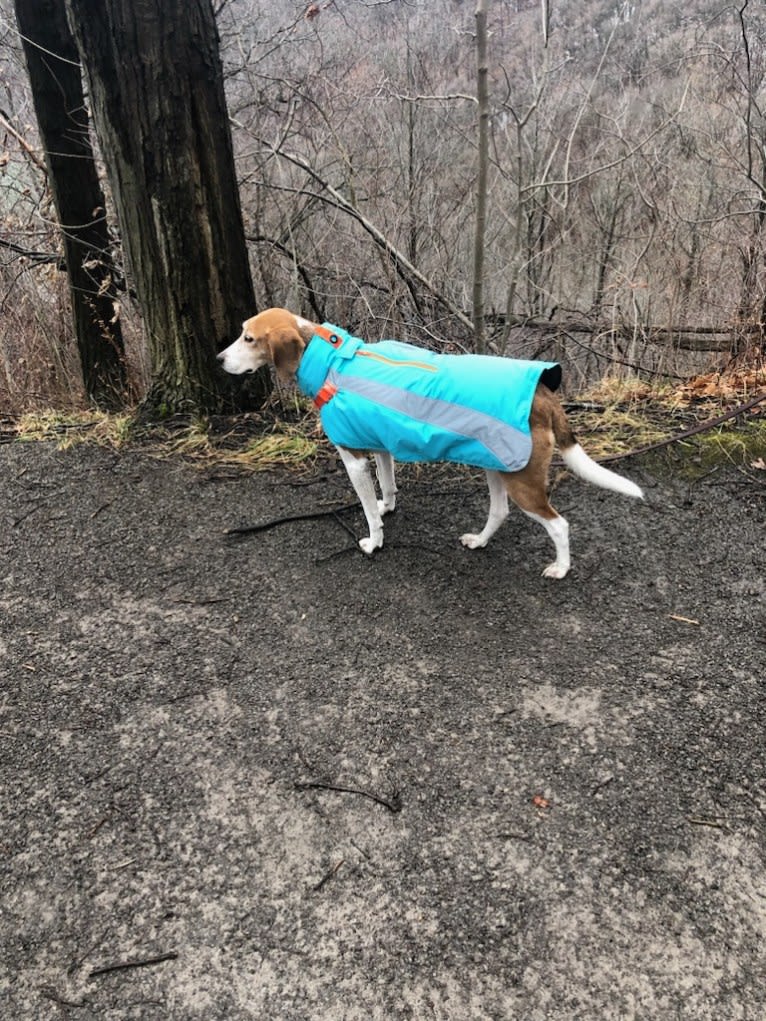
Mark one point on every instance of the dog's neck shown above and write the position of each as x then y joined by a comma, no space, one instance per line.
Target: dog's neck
327,345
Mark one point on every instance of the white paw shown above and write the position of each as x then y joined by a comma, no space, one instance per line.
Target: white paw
471,541
386,506
369,545
556,570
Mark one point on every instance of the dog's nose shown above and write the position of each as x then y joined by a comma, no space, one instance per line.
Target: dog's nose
220,356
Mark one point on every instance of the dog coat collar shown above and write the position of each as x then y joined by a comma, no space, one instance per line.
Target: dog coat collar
328,347
421,406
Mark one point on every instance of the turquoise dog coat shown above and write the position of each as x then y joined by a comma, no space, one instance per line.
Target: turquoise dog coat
421,406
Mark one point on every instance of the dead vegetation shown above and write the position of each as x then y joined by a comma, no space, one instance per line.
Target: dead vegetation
716,417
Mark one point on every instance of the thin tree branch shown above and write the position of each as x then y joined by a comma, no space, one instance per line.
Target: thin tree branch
40,164
264,526
403,265
143,962
393,804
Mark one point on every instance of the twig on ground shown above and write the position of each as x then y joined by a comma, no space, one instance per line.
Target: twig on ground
604,783
136,962
17,521
50,994
715,824
393,804
328,876
346,528
289,518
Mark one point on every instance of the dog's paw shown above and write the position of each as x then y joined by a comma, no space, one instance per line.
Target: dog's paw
369,545
471,541
386,506
556,570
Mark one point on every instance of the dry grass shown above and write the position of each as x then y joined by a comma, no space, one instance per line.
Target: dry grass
628,414
284,445
68,429
614,417
620,415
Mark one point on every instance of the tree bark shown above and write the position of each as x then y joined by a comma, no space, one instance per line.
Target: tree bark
156,88
482,95
56,81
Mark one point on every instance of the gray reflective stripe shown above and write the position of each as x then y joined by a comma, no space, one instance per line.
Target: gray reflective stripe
509,445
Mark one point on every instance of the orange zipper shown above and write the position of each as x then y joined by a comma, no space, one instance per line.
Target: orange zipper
397,361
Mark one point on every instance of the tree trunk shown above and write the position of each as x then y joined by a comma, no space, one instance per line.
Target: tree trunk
56,80
482,96
156,87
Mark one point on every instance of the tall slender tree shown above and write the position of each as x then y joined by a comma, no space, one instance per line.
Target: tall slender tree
156,87
56,81
482,174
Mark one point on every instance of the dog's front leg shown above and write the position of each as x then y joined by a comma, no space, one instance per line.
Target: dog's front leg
384,464
358,468
498,512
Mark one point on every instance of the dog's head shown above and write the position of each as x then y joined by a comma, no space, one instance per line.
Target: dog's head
274,337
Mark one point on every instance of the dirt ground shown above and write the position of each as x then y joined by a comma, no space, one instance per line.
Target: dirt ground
269,778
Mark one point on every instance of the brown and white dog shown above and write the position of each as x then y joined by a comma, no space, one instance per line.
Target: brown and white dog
278,337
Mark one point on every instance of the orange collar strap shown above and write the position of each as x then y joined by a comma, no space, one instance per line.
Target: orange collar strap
328,335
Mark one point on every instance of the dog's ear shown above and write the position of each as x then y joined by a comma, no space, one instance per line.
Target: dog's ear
286,346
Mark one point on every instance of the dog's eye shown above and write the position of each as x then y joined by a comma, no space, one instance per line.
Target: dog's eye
248,339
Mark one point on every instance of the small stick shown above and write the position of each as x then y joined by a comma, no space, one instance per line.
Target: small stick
328,876
346,528
713,823
50,994
17,521
289,518
604,783
137,962
394,804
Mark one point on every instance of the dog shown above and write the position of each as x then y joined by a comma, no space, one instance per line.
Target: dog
392,399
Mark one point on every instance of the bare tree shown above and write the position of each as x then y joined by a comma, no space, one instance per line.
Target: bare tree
157,92
753,303
56,81
482,173
623,211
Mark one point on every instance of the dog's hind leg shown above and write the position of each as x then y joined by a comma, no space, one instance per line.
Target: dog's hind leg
384,465
527,490
498,512
558,529
358,468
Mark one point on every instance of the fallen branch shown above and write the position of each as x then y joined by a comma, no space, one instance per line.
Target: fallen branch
137,962
393,804
264,526
711,423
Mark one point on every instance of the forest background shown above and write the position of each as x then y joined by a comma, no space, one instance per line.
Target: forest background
625,221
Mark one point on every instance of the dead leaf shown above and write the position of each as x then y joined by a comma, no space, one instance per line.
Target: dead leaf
540,802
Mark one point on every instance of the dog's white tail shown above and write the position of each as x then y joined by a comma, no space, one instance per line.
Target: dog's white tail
586,468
